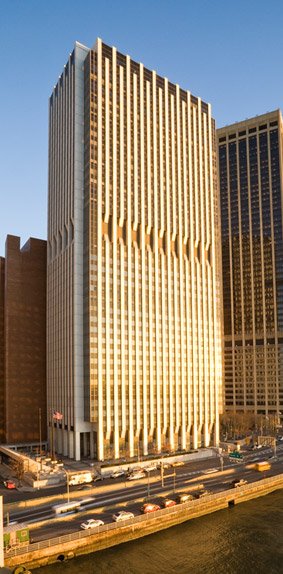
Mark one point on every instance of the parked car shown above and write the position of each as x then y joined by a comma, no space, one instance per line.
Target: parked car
117,474
10,484
136,475
184,497
91,523
149,507
178,463
238,482
201,493
122,515
168,502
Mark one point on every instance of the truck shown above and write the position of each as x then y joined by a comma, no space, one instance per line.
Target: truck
80,478
263,465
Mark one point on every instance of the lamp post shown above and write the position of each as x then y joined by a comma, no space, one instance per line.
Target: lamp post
274,446
162,474
148,486
68,486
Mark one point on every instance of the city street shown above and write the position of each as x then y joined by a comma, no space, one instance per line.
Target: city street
116,494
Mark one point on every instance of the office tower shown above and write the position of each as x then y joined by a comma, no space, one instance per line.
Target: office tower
134,292
250,171
23,342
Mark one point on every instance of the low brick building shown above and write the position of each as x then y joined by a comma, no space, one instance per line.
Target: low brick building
23,342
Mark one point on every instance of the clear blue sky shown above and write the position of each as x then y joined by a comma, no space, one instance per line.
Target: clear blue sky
228,52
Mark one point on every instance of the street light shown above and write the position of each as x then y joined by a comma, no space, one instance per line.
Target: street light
68,487
162,473
148,486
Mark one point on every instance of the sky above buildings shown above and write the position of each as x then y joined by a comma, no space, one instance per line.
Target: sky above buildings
228,52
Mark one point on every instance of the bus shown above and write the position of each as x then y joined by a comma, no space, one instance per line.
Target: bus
263,465
66,507
73,506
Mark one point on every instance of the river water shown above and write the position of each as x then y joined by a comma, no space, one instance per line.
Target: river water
245,539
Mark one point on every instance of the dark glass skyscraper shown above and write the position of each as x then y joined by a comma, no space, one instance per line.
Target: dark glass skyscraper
250,173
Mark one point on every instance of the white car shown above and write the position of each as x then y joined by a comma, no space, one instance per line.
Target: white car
136,475
122,515
91,523
150,468
117,474
211,470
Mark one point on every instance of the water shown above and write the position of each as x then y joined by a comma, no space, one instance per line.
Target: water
246,539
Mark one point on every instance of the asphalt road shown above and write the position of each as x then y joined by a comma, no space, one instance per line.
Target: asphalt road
115,494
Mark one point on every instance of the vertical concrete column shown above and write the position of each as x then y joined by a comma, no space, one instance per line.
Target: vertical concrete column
71,444
91,445
77,445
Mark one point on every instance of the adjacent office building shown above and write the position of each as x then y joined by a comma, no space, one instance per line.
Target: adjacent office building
251,185
23,343
133,283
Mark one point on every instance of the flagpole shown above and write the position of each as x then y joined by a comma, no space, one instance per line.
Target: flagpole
52,438
39,423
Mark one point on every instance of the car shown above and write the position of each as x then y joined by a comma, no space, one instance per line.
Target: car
136,475
10,484
211,470
92,523
201,493
122,515
117,474
168,502
178,463
149,507
85,487
238,482
150,468
163,464
184,497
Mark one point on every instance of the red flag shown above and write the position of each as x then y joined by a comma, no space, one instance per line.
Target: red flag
57,416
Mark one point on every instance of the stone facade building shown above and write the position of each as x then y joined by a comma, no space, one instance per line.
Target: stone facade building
23,342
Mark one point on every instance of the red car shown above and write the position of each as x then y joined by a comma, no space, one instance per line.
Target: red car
168,502
9,484
149,507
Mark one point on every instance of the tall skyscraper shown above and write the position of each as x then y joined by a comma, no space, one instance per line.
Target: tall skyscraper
251,185
134,292
23,342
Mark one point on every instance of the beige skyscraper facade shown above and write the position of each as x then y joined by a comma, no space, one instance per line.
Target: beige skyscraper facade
134,291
